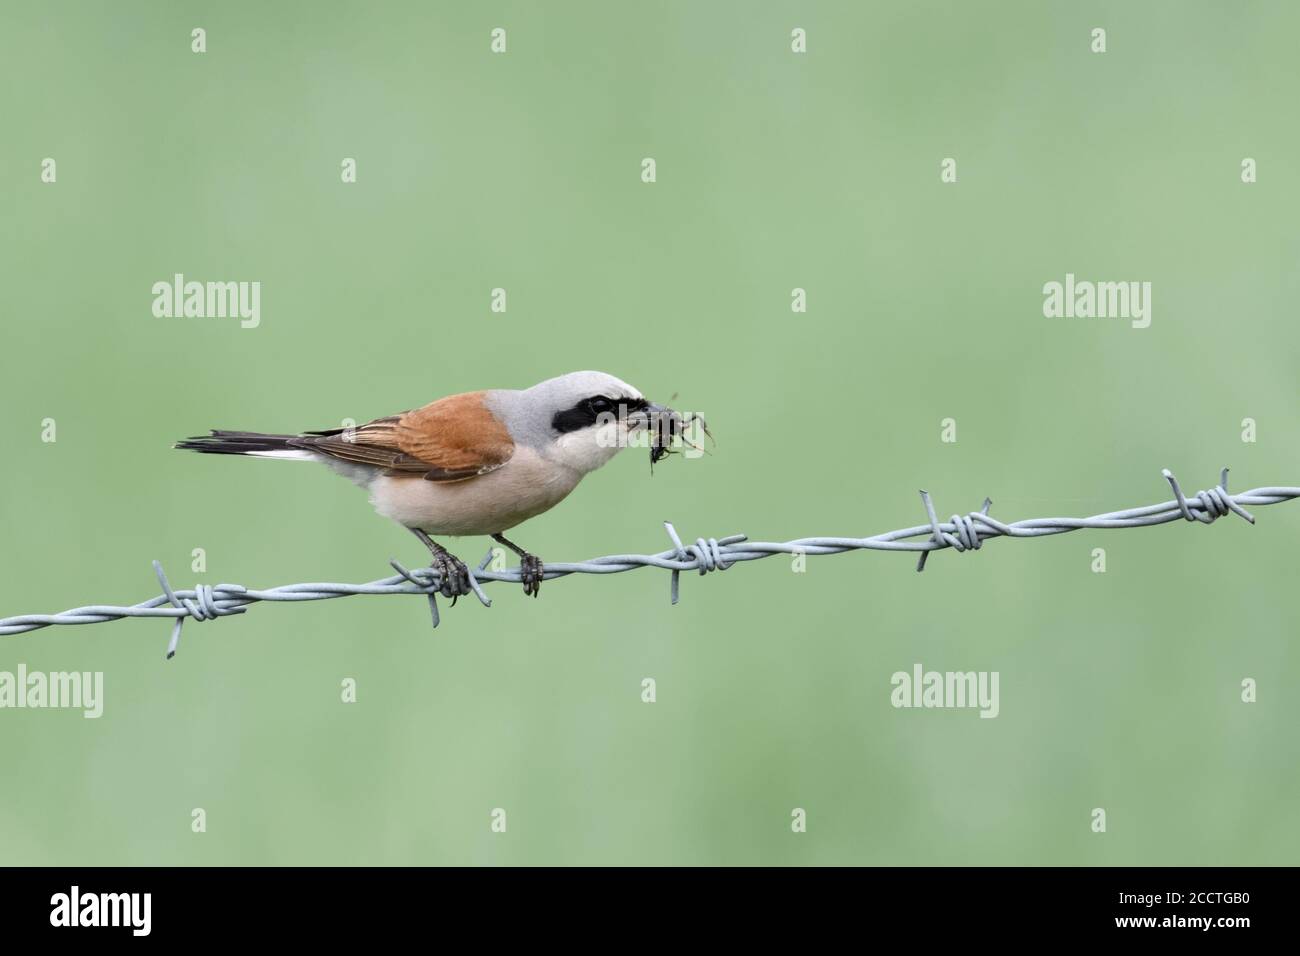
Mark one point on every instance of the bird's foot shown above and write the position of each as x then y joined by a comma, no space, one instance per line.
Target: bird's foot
530,572
453,575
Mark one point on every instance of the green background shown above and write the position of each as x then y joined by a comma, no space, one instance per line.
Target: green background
775,170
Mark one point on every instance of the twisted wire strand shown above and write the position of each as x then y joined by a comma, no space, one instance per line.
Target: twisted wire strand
961,533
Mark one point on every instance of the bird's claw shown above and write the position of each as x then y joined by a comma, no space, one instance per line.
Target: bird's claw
530,573
453,575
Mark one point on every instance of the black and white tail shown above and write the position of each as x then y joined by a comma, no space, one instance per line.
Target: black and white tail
254,444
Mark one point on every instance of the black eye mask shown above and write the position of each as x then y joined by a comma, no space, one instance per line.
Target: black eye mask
588,411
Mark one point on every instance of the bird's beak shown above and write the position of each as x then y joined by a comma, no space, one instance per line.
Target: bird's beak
659,419
655,412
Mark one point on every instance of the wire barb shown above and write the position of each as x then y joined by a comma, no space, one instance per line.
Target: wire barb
200,604
1214,503
965,536
961,533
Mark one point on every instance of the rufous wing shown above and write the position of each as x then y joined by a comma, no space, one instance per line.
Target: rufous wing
451,439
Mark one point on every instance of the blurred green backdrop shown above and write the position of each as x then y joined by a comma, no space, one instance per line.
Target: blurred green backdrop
775,171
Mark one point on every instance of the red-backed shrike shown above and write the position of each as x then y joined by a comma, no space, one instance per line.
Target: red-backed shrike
477,463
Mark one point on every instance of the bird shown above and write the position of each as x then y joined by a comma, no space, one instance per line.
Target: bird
475,463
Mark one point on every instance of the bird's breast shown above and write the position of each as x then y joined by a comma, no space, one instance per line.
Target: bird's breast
522,488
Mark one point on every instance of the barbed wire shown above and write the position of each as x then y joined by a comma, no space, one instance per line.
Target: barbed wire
966,532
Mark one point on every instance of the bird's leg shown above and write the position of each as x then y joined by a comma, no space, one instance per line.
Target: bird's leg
530,565
452,574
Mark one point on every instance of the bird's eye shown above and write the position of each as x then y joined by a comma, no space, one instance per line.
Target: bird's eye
600,405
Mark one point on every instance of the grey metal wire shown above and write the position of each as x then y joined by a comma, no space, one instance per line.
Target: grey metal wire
961,533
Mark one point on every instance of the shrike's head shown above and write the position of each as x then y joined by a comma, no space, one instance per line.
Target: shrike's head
580,420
